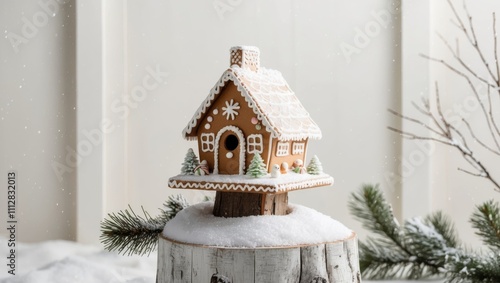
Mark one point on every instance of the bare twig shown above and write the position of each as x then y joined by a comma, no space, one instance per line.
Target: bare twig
443,131
462,63
472,38
410,136
395,113
455,70
470,173
495,50
478,140
490,112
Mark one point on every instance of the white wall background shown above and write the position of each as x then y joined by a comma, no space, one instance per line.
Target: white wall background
38,116
117,42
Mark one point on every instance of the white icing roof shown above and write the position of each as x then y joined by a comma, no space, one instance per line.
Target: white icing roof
271,99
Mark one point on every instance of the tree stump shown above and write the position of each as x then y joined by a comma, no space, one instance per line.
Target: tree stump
335,262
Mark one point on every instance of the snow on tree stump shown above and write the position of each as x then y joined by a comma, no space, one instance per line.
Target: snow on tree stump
303,246
335,262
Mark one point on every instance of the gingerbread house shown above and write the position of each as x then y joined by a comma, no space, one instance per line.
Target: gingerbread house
250,110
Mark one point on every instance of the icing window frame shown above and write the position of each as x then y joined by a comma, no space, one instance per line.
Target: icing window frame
298,147
207,142
255,143
283,149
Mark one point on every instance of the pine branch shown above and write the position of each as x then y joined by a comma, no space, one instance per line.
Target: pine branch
474,268
424,247
399,252
129,233
487,221
378,261
431,240
372,210
173,205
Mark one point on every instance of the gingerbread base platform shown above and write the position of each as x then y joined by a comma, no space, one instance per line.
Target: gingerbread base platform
304,246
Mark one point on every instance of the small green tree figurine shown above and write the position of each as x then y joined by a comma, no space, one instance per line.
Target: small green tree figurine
257,167
190,162
315,167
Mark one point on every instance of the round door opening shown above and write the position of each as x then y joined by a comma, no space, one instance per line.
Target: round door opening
231,142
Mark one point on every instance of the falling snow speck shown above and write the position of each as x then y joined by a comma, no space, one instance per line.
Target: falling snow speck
39,131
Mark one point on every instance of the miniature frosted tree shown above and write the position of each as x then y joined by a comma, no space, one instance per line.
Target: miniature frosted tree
257,167
190,163
315,167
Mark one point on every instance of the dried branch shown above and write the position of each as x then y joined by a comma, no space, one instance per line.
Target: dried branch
478,140
490,112
442,130
472,38
495,46
462,62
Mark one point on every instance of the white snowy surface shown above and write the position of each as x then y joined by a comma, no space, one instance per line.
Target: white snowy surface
65,262
197,225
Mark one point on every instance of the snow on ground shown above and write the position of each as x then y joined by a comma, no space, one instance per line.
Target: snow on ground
197,225
68,262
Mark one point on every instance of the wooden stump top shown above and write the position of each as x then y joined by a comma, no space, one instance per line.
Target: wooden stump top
336,262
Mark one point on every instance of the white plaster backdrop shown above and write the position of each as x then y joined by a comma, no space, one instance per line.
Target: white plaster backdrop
347,95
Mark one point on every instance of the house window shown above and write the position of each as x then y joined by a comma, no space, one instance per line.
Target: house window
298,148
207,142
254,144
283,149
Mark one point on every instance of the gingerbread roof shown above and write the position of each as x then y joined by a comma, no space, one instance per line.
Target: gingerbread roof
271,99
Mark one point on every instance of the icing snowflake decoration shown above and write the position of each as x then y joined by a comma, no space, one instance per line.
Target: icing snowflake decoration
231,109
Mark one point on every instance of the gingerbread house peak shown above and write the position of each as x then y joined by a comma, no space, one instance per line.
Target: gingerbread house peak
271,99
247,57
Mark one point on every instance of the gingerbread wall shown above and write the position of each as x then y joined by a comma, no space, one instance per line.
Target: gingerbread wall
292,156
217,118
228,130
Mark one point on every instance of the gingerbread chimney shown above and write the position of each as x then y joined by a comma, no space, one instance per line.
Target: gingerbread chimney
246,57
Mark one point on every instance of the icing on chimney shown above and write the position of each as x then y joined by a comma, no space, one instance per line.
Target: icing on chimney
247,57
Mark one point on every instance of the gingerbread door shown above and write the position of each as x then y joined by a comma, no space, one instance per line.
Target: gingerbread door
230,151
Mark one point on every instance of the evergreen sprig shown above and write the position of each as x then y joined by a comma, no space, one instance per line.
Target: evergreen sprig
487,222
129,233
423,247
465,267
398,252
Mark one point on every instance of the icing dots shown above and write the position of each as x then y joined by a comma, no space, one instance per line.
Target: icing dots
207,126
215,111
